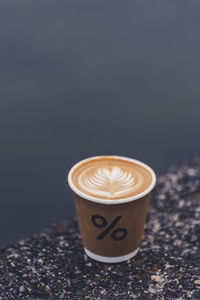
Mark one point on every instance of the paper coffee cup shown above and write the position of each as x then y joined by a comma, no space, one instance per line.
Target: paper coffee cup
111,230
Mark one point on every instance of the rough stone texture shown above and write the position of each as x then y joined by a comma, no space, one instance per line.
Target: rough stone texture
52,264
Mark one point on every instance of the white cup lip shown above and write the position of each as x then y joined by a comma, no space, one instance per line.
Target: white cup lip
117,201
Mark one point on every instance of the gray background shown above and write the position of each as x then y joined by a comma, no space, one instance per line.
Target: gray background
81,78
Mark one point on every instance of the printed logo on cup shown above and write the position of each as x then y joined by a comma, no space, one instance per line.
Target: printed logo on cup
117,234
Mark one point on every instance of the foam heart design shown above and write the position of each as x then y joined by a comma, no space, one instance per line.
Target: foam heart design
109,182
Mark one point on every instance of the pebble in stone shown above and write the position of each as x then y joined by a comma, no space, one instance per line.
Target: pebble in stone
52,264
197,281
157,278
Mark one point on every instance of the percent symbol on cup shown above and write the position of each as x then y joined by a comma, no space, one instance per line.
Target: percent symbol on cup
117,234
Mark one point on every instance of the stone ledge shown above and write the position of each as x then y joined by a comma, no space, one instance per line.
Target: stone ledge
52,264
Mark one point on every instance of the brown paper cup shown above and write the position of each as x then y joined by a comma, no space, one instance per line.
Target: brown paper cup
111,230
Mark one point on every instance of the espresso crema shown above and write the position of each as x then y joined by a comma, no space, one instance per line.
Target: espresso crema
111,178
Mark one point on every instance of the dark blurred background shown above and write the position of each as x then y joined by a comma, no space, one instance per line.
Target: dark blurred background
82,78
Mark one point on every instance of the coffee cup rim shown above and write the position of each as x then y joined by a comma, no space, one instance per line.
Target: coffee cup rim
114,201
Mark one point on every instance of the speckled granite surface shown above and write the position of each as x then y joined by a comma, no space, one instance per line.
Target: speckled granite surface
52,264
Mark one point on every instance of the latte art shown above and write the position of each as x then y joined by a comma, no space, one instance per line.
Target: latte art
111,178
108,183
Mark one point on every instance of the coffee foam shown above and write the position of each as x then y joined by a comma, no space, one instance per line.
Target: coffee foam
111,178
